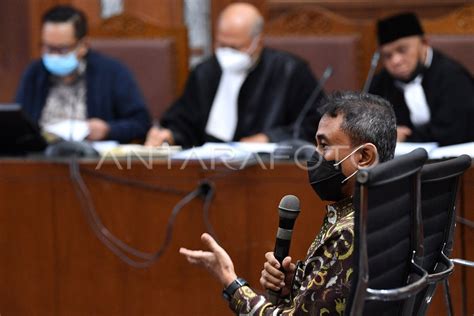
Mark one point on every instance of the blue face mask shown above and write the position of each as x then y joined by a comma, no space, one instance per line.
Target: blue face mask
61,65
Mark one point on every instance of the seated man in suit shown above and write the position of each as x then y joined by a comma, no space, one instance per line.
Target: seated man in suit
244,92
356,131
433,95
73,82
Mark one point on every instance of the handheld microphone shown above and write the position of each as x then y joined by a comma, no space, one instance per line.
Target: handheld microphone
296,147
373,65
288,211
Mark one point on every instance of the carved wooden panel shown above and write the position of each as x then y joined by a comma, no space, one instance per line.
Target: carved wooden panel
461,21
370,9
162,12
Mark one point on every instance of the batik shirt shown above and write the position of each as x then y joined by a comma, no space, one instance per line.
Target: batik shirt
66,101
322,281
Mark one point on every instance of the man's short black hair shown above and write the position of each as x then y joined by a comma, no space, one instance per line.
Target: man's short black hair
66,13
367,118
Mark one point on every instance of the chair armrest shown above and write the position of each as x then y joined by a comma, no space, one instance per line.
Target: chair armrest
435,277
403,292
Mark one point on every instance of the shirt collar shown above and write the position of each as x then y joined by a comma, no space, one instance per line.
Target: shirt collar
339,209
429,57
403,85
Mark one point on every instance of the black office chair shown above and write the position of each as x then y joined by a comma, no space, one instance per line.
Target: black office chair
388,238
447,292
439,192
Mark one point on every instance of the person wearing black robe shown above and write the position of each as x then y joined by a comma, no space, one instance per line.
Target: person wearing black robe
269,101
446,92
273,90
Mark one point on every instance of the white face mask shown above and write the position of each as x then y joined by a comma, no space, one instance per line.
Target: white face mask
337,164
233,60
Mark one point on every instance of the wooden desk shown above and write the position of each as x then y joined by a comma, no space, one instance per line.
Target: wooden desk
51,263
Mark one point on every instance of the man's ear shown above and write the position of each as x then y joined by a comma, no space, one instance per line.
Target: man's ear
260,40
259,46
83,48
369,156
424,40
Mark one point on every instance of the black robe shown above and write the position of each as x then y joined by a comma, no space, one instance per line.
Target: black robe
449,91
269,101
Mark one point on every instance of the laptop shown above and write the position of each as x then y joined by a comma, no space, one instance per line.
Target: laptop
18,134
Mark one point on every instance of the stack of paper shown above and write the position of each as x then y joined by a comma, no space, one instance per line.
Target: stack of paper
214,151
113,149
75,130
453,151
257,148
405,147
435,152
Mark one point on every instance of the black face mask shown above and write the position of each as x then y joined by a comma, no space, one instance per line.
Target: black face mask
326,177
419,70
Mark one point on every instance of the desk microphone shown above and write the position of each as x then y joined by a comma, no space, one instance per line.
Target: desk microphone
288,211
373,65
295,146
309,103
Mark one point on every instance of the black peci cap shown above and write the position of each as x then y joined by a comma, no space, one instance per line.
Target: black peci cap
397,26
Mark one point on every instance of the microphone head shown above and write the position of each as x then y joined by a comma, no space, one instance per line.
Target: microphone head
327,73
289,207
375,59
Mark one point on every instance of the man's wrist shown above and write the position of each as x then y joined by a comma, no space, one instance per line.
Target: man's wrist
170,138
230,289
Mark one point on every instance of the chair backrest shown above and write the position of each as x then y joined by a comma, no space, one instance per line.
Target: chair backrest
152,63
453,34
388,230
439,192
339,52
323,38
158,56
458,47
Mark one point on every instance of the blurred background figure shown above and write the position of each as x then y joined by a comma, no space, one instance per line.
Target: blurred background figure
433,95
71,81
244,92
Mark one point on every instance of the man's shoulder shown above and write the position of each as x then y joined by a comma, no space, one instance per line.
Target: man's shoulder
207,64
444,64
103,62
382,76
280,57
381,82
34,68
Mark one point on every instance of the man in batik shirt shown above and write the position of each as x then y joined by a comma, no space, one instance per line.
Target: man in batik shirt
356,131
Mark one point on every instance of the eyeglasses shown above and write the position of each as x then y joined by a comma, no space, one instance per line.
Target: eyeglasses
61,50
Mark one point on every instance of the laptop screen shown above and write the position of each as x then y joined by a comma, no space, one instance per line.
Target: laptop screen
18,134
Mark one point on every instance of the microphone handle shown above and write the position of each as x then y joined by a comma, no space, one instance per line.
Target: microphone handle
280,252
373,65
273,296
